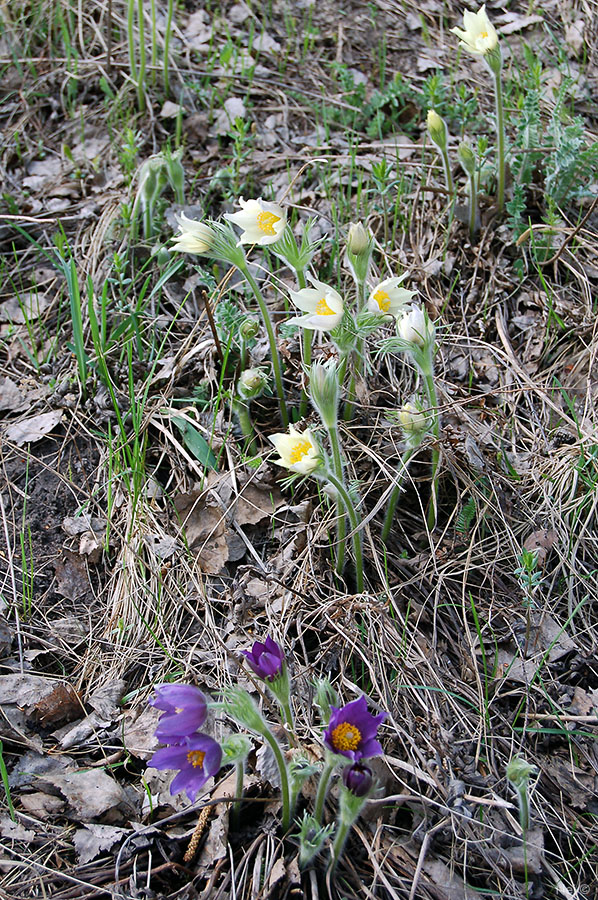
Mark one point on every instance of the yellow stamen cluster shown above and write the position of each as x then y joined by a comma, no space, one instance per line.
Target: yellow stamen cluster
383,300
300,449
322,309
266,222
345,737
196,758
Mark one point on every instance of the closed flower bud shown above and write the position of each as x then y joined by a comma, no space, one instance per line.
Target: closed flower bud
437,129
412,420
249,328
358,239
251,383
415,328
467,158
324,390
358,779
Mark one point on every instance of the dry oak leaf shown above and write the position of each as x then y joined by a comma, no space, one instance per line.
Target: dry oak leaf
34,429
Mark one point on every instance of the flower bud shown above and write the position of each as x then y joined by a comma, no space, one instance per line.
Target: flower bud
358,779
312,837
467,158
325,697
358,239
519,772
249,328
415,327
239,705
412,420
251,383
175,174
324,390
437,130
236,748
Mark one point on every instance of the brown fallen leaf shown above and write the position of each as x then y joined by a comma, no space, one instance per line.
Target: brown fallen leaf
33,429
541,541
72,580
92,839
44,701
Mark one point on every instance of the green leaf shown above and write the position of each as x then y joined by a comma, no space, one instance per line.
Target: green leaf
196,443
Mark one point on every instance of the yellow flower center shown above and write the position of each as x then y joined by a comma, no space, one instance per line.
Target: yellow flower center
322,309
301,448
266,221
196,758
483,34
346,737
383,300
179,709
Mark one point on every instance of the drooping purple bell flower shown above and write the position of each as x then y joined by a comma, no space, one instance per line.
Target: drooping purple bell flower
358,779
185,710
351,731
267,660
198,758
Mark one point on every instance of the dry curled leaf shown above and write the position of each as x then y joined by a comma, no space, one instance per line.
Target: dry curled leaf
33,429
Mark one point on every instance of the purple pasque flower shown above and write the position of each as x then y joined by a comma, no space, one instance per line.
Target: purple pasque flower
197,757
267,660
185,710
358,779
351,731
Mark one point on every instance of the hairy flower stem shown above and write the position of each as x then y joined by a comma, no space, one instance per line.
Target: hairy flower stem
432,398
341,520
473,207
284,778
500,136
242,410
166,60
308,339
355,526
329,767
272,341
131,37
396,493
358,357
448,175
340,839
236,810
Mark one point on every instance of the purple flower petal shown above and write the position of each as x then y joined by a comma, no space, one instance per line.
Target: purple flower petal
351,731
185,709
198,759
267,659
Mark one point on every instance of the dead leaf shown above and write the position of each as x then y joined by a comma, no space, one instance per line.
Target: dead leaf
138,731
528,858
510,22
91,840
42,806
233,108
171,110
26,306
89,792
33,429
541,541
11,397
206,531
584,703
72,580
574,35
14,830
43,700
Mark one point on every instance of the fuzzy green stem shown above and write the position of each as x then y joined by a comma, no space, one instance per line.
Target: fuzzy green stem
325,776
341,522
340,839
169,16
242,410
355,527
272,341
500,136
308,339
396,493
473,207
432,398
142,59
236,810
154,57
448,175
284,778
287,721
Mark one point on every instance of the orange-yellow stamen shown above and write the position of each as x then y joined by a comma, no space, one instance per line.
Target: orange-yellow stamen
483,34
301,448
322,309
196,758
266,222
346,737
382,299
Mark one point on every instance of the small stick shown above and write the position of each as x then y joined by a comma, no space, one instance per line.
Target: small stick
208,307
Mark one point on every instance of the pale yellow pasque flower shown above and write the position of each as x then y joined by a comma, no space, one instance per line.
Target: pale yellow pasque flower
261,222
478,34
298,451
193,236
437,129
321,303
388,299
414,327
411,419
